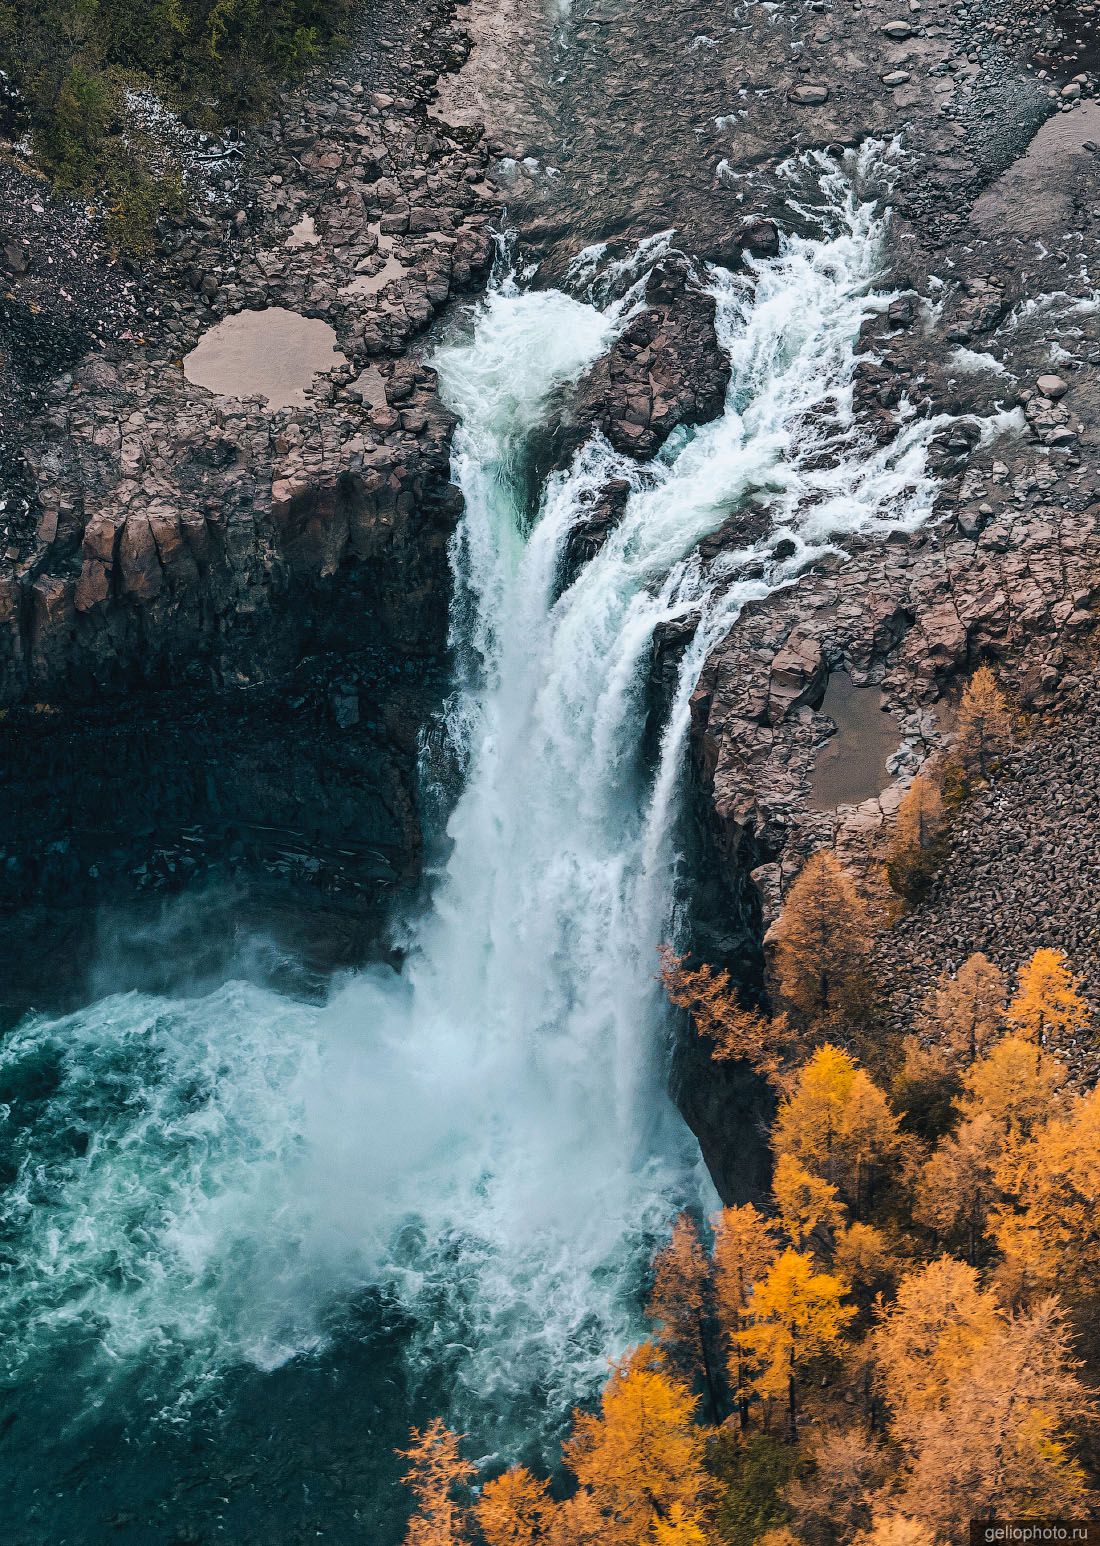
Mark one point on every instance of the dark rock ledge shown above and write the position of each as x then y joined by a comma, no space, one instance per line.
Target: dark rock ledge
222,627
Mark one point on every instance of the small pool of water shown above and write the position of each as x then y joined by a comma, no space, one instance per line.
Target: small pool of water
273,354
1077,29
370,284
304,234
851,767
1036,194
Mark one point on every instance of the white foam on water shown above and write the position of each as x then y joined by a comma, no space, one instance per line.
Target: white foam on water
971,362
487,1136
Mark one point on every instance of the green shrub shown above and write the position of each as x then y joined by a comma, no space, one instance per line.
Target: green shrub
751,1472
138,197
214,62
72,133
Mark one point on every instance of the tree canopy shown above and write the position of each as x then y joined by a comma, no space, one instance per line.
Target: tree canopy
212,61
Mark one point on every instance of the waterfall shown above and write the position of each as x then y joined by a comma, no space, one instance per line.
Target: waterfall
485,1138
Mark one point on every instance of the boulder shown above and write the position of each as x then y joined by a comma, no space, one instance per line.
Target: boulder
808,96
586,538
665,369
760,237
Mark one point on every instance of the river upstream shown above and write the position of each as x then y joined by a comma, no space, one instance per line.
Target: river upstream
248,1239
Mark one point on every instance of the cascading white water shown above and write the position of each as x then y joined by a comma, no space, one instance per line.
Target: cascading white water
487,1136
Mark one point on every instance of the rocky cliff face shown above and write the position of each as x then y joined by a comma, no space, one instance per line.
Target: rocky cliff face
222,624
996,314
663,370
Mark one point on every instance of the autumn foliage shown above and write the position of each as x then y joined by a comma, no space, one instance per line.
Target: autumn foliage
681,1304
822,943
902,1335
735,1033
515,1509
745,1245
983,728
435,1471
917,843
980,1400
966,1011
1048,1226
640,1458
839,1125
797,1314
920,840
1047,1006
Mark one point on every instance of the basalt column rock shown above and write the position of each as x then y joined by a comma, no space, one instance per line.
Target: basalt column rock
223,609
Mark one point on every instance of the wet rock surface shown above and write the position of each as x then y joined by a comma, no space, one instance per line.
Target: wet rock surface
593,145
664,369
995,326
588,536
912,617
224,624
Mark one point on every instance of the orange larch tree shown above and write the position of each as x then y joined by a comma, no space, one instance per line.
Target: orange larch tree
931,1334
435,1469
735,1034
744,1248
1049,1232
680,1527
863,1259
796,1313
831,1495
917,843
979,1400
682,1302
999,1443
822,943
889,1529
515,1510
641,1454
983,726
578,1521
810,1121
966,1012
838,1124
1018,1085
870,1138
957,1185
809,1208
1047,1007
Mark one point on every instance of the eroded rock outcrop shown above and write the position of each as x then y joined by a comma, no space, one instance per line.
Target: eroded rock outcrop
663,370
183,571
588,536
989,166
